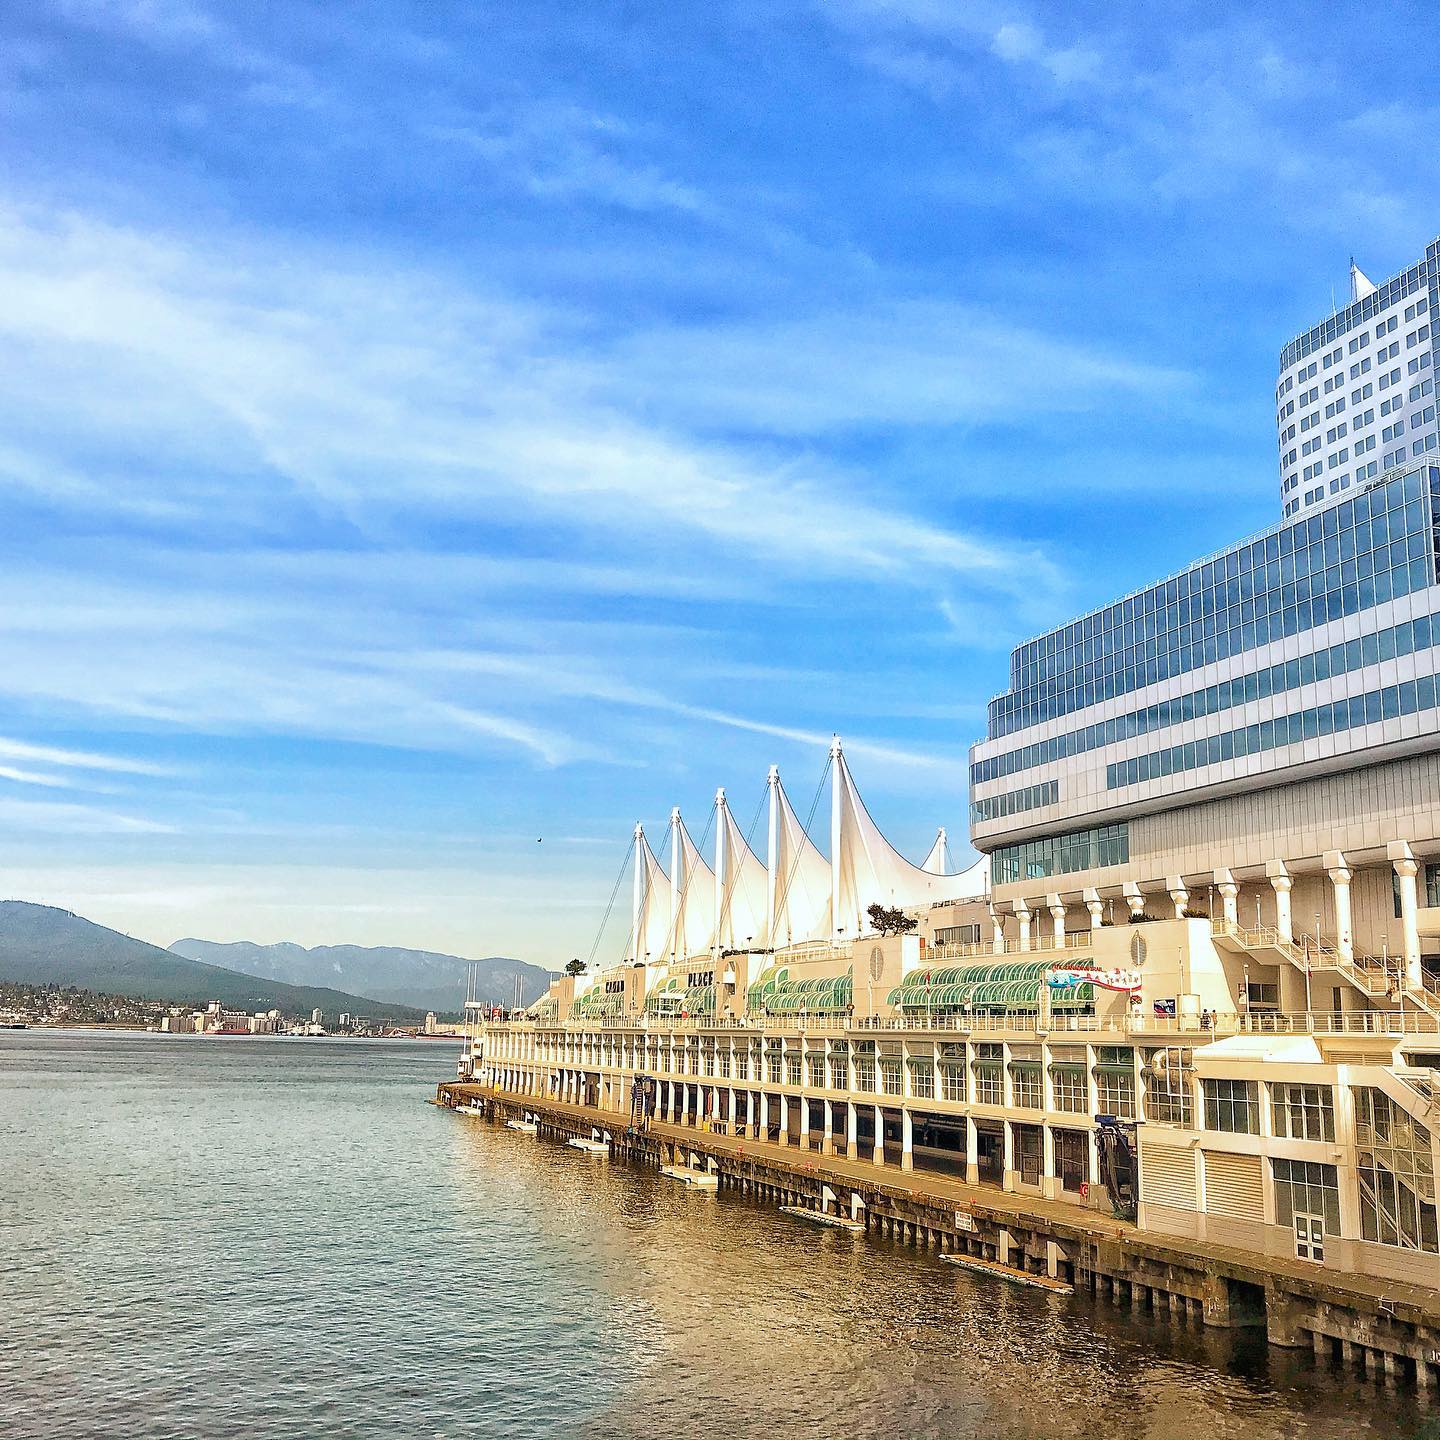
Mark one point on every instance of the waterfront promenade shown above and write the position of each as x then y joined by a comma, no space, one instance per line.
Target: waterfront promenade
1387,1327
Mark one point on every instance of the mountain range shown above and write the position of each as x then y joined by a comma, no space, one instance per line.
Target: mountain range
40,945
423,978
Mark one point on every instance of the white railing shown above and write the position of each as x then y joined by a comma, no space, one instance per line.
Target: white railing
807,950
986,949
1404,1021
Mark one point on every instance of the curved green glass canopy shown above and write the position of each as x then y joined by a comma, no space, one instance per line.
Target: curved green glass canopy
775,993
1015,985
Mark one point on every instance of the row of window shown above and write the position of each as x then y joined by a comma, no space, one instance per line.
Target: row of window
1417,279
1061,854
1410,698
1013,802
1291,479
1406,639
1152,635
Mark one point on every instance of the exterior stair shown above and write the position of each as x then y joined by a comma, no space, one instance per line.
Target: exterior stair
1373,976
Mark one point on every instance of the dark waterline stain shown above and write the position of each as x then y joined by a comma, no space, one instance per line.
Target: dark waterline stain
209,1238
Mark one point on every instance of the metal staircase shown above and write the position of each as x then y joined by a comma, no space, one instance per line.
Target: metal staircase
1376,977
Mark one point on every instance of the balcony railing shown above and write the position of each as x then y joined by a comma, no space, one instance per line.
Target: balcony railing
985,949
1407,1021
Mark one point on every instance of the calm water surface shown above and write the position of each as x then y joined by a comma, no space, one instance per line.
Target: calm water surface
272,1238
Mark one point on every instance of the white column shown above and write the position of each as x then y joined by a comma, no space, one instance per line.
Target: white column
1133,898
1022,914
837,813
1179,895
907,1140
804,1105
1406,870
1340,875
750,1113
782,1118
852,1129
637,903
1057,920
722,865
677,884
997,934
1096,908
1281,882
772,859
1229,895
827,1138
878,1154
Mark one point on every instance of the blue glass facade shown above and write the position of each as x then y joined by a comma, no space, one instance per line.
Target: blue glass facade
1061,855
1408,638
1379,544
1412,697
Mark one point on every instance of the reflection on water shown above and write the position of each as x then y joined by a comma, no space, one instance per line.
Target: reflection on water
275,1238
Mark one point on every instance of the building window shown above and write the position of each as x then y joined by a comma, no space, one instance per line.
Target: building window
922,1079
1071,1159
1029,1145
725,1064
989,1089
1232,1106
1061,855
1432,885
839,1076
952,1080
1115,1081
817,1071
1397,1174
1304,1188
865,1075
890,1077
958,935
774,1069
1025,1086
1068,1086
792,1070
1303,1112
1169,1098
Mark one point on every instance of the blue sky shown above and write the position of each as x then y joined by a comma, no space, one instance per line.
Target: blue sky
435,435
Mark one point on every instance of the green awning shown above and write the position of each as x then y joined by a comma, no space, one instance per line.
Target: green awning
1013,985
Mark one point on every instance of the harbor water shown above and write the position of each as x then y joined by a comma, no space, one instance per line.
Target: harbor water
274,1238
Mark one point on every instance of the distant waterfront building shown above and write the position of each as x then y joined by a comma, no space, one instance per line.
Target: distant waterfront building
1356,394
317,1017
431,1022
1204,934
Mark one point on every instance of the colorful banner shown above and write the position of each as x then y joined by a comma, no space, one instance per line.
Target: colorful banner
1066,977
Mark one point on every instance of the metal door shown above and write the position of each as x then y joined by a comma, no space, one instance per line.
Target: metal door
1310,1237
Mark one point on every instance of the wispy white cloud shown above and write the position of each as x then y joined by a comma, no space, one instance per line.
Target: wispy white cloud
80,759
561,152
57,818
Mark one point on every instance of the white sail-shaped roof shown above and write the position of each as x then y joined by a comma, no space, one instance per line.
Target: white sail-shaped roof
866,869
692,893
974,883
937,862
656,927
799,876
741,884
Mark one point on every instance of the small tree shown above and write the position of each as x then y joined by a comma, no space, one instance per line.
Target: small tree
890,922
575,967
